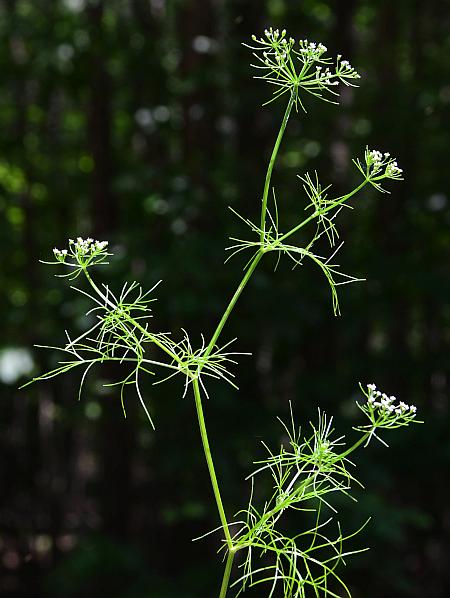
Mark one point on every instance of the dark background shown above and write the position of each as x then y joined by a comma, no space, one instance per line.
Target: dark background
139,122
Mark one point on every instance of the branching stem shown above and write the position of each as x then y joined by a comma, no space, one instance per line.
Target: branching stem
260,253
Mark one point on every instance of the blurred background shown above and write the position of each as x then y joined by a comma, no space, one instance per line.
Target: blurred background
139,122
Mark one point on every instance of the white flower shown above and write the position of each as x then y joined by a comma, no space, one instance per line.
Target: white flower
60,254
392,170
376,162
82,250
386,406
345,68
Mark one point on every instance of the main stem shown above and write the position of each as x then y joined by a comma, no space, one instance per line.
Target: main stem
251,268
227,574
209,461
198,400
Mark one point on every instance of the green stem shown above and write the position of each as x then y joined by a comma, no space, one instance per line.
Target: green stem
237,294
272,164
198,401
336,202
227,574
210,463
353,447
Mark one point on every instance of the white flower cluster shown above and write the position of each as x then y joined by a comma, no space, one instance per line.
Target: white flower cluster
376,162
312,50
279,56
81,248
60,254
274,34
375,158
392,170
85,246
278,59
325,76
345,69
383,413
387,404
274,38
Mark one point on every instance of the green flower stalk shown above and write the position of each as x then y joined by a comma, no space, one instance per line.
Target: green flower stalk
306,471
